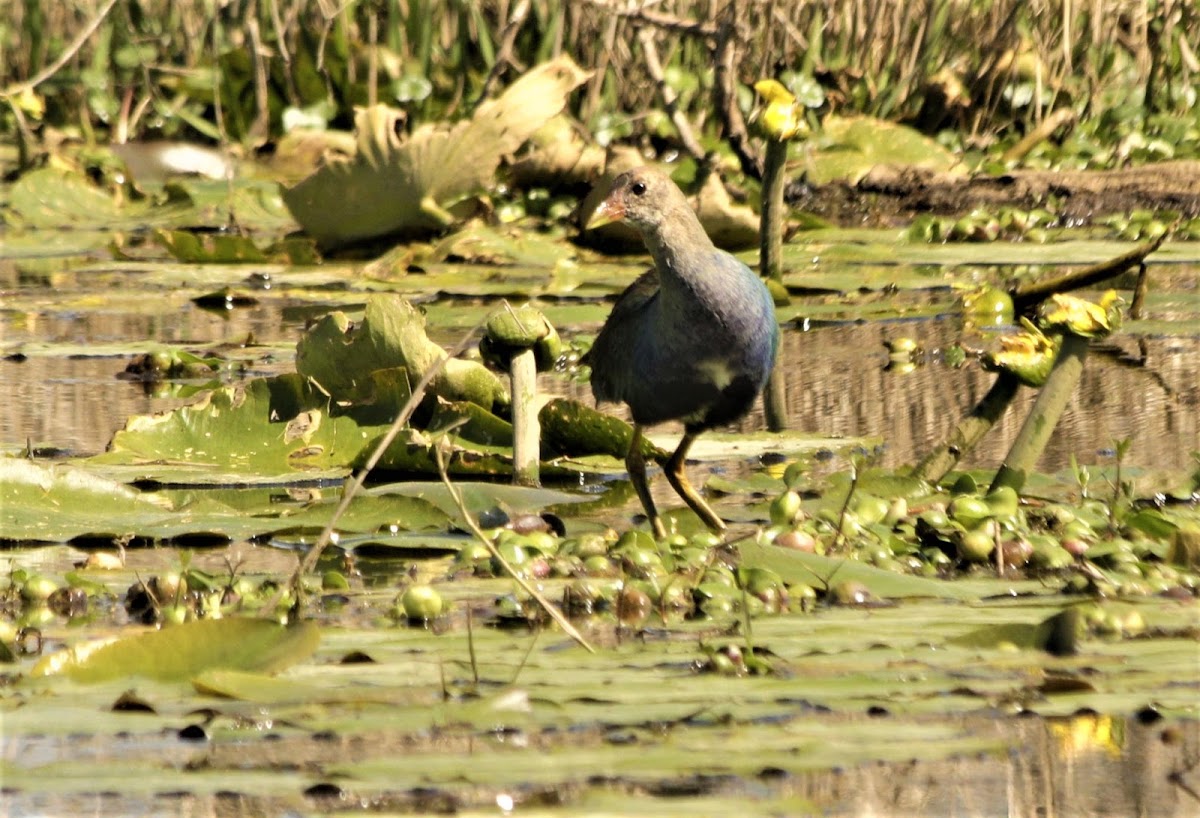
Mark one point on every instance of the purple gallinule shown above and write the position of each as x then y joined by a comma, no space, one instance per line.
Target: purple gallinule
693,340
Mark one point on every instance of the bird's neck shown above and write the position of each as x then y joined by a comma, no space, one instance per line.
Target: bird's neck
675,244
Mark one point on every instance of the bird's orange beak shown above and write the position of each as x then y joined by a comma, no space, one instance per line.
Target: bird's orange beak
610,210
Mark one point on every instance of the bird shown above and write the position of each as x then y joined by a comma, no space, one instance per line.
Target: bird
693,339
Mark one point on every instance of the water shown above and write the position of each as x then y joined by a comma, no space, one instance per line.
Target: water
836,377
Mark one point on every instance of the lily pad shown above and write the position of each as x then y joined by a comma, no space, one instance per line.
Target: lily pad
222,248
813,569
342,360
55,503
55,198
180,652
404,187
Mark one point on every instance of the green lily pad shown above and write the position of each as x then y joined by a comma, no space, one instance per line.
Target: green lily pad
342,360
54,198
224,248
180,652
813,569
404,187
58,502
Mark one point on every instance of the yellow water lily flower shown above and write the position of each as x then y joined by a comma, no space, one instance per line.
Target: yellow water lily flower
1028,355
782,118
1082,317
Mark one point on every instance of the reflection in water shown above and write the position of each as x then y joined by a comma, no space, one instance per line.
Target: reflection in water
834,378
1087,765
1081,767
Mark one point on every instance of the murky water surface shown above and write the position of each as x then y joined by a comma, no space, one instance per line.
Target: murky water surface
837,378
77,333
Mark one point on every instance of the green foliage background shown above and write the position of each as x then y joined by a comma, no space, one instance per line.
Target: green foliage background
246,70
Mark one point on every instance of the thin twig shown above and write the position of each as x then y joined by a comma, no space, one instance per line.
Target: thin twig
63,58
505,57
725,102
471,647
839,536
669,97
526,586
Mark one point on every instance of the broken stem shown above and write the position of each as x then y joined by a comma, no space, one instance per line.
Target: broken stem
970,430
1030,294
1051,402
771,234
1137,309
527,432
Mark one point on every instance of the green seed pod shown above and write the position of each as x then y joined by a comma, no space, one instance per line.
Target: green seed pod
334,581
586,545
640,562
175,614
37,589
599,565
797,540
850,592
988,307
897,510
720,575
421,603
706,540
715,605
676,597
1003,501
543,542
934,517
975,545
784,508
870,509
515,555
760,580
969,510
802,597
1049,554
634,539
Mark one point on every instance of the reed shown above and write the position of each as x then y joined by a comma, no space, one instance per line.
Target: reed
981,67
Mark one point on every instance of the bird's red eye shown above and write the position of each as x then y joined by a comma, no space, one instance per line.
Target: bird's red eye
638,188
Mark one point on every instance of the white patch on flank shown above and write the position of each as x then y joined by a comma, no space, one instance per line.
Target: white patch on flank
718,372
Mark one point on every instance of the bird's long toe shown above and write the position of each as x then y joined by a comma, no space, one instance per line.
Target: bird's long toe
677,477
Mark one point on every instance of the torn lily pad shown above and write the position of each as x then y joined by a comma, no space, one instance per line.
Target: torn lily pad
404,187
340,358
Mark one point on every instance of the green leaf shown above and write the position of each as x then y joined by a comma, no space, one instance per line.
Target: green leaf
180,652
813,569
394,187
56,503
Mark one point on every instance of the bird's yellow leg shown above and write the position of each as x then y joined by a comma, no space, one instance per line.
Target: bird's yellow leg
635,462
677,477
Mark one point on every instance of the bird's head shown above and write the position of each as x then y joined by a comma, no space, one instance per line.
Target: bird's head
642,198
